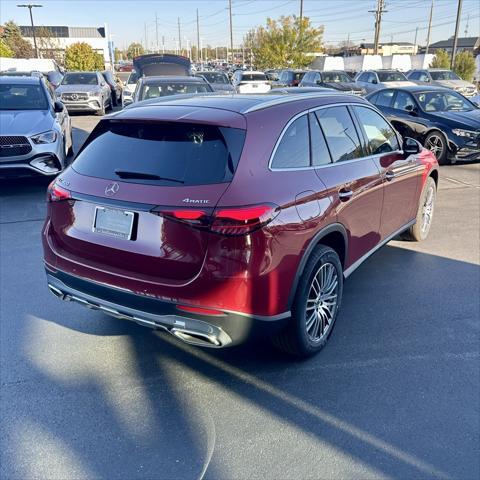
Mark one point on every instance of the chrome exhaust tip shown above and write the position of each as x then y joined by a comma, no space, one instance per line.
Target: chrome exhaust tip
196,338
58,293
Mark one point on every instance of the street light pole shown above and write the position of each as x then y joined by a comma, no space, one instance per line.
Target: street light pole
30,6
429,29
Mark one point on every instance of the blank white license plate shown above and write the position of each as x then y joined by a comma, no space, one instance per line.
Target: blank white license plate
113,222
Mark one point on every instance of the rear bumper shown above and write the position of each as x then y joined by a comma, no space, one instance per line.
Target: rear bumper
222,330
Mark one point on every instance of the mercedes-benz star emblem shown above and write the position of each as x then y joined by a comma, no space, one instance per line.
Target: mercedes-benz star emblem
74,96
112,189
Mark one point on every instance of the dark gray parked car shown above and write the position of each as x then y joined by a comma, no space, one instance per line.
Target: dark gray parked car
336,79
371,80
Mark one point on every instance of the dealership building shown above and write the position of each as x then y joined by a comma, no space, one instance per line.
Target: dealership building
59,37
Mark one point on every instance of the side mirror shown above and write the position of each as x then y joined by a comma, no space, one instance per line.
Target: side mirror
58,107
102,84
411,146
127,101
374,81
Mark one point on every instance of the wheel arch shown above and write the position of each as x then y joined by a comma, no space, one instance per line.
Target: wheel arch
434,129
333,236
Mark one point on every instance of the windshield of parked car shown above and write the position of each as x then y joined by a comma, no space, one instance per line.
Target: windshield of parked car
391,77
253,77
444,75
22,97
165,89
444,102
213,77
162,153
335,77
80,79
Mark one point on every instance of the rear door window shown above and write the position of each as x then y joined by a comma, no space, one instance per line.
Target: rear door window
384,98
293,149
161,153
340,133
404,101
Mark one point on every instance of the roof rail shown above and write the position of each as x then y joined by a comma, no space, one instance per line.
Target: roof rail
287,99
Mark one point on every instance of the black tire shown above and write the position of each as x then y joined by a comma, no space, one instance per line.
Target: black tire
419,231
436,140
295,339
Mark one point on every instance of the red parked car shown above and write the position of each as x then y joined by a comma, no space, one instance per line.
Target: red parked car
219,217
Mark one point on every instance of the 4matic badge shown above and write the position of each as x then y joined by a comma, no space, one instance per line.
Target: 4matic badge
191,200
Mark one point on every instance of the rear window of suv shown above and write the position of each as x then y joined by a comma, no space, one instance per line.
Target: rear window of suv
161,153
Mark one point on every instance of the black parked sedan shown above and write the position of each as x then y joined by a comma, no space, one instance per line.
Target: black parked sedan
444,121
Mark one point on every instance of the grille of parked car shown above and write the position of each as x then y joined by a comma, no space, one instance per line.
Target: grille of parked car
12,145
74,97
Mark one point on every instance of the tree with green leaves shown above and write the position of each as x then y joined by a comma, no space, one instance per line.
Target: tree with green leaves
5,50
465,65
285,42
135,49
81,56
12,37
441,59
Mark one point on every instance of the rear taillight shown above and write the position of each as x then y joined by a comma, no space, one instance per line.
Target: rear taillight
224,220
242,220
55,193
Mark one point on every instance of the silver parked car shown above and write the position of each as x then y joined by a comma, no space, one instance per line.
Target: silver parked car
442,78
371,80
85,91
35,128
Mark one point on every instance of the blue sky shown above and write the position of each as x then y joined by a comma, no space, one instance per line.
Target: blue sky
126,19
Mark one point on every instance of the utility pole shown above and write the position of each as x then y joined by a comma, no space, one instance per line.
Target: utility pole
30,6
378,21
415,42
348,45
198,38
179,36
429,28
231,28
466,26
156,32
455,38
146,38
301,11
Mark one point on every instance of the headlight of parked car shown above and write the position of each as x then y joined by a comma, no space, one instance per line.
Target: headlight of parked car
95,94
464,133
45,137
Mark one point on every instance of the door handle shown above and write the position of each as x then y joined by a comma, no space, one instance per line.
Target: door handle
390,175
345,195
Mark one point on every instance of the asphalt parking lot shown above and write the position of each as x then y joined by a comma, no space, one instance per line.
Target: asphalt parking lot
395,394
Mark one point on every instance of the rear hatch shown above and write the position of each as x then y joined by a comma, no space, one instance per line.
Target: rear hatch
154,65
141,194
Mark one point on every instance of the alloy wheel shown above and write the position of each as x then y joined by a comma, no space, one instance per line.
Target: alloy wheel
427,208
322,302
434,143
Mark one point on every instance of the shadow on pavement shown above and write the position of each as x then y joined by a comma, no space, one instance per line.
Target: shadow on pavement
395,391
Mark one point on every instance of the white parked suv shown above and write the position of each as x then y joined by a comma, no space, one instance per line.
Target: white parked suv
250,82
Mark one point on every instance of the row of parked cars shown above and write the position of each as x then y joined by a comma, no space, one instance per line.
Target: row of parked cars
36,132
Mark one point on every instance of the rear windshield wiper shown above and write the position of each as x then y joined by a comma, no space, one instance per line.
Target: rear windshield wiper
145,176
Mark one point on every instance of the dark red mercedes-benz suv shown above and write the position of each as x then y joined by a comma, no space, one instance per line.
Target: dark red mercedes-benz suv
217,217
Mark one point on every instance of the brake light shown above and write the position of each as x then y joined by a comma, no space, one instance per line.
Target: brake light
197,218
224,221
243,220
55,193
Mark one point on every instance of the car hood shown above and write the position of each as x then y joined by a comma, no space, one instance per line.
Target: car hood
77,88
343,86
453,83
399,84
469,119
25,122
